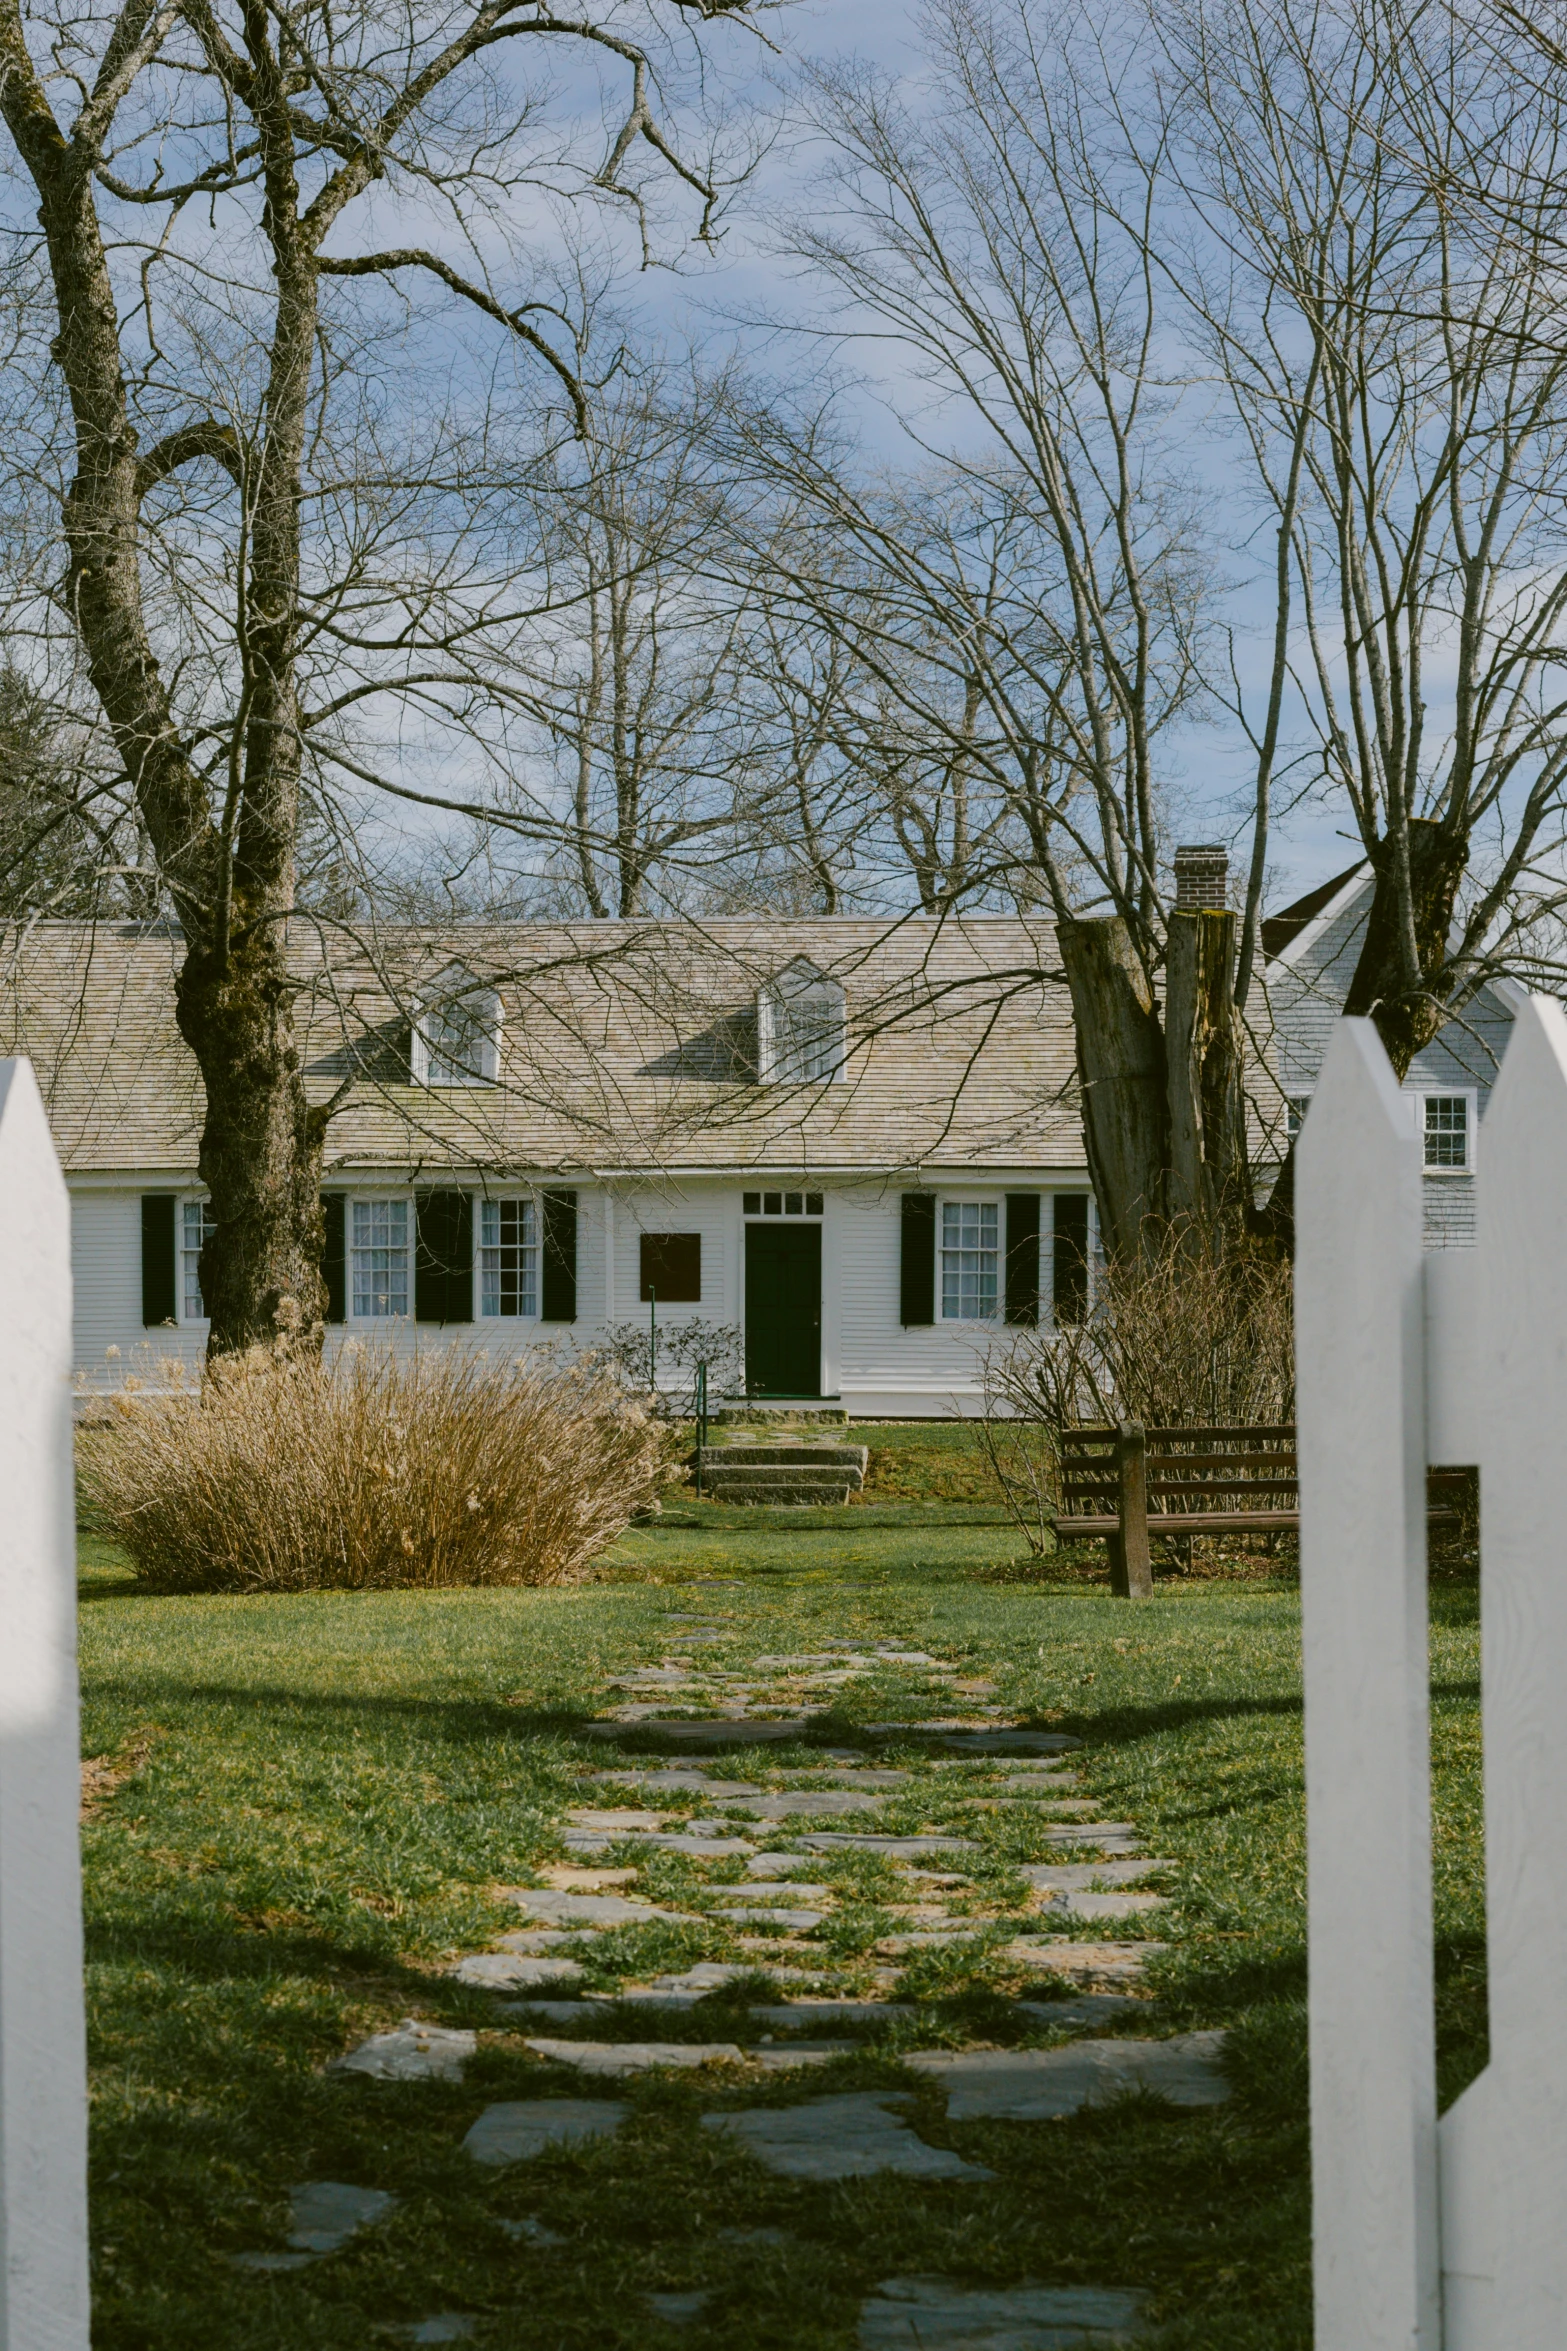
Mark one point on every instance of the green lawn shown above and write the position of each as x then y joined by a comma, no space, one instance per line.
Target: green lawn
321,1790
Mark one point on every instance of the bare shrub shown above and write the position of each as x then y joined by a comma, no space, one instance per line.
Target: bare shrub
627,1348
371,1472
1180,1341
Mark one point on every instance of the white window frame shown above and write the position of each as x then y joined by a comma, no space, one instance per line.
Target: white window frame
1469,1096
533,1247
351,1250
188,1200
455,988
960,1201
781,1059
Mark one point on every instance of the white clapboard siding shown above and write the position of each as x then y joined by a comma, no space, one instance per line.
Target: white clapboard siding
43,2058
1359,1339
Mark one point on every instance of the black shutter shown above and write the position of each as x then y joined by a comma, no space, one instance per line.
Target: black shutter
334,1255
158,1299
917,1275
559,1288
1023,1258
1070,1268
443,1257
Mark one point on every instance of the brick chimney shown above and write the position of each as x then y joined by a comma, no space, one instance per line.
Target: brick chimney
1202,876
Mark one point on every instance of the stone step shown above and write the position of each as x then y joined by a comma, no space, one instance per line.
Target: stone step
716,1476
747,1491
751,1456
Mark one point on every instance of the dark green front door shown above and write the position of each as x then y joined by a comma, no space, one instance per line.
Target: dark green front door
783,1309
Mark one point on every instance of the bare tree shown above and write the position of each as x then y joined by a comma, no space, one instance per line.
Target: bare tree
1030,601
1398,369
285,552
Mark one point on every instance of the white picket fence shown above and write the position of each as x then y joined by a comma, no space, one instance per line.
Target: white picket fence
1428,2235
43,2066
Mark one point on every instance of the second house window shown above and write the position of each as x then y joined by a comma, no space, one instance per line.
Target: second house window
508,1258
970,1236
380,1255
196,1222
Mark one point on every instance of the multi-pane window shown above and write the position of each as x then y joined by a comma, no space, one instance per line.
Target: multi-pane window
1446,1130
456,1038
800,1028
380,1258
508,1258
1295,1109
783,1204
970,1247
196,1222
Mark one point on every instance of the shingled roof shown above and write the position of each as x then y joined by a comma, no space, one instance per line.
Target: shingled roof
625,1047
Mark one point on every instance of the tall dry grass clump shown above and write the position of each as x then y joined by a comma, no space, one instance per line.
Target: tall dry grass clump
1185,1340
372,1471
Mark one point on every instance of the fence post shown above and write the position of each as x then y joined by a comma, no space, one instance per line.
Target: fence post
1131,1457
1361,1415
1504,2142
43,2082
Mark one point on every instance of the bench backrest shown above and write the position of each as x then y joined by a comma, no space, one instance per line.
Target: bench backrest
1185,1467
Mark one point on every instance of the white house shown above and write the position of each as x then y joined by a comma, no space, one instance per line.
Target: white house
857,1142
1311,950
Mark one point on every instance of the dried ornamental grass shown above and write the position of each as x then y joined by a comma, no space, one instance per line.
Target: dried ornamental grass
372,1471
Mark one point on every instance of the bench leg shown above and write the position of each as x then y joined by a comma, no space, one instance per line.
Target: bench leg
1136,1564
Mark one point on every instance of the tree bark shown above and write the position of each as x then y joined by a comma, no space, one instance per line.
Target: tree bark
1209,1183
231,884
1121,1069
1409,1009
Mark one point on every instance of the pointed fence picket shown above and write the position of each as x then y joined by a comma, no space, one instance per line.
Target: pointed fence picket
43,2080
1427,2236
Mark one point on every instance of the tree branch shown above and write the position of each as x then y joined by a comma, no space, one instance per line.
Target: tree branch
206,439
413,257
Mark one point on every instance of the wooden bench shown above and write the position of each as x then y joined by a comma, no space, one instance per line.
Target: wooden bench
1188,1476
1186,1482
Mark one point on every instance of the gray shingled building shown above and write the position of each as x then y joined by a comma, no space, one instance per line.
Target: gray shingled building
859,1143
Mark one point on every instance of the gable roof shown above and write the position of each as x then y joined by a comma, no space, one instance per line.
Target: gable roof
1285,930
626,1047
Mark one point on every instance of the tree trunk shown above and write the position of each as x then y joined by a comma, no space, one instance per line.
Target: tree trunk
232,884
1209,1183
1408,1017
1121,1069
261,1279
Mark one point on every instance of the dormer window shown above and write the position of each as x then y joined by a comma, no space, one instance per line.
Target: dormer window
800,1027
457,1034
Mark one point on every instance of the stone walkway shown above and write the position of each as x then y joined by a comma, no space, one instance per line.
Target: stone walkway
843,1897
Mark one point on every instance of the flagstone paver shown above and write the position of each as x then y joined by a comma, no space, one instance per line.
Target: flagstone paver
845,2138
932,2314
1083,1962
518,2128
1009,1778
585,1910
413,2052
323,2215
622,2057
508,1971
1038,2085
1090,1905
679,2309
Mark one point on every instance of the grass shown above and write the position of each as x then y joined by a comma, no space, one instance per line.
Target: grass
321,1790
